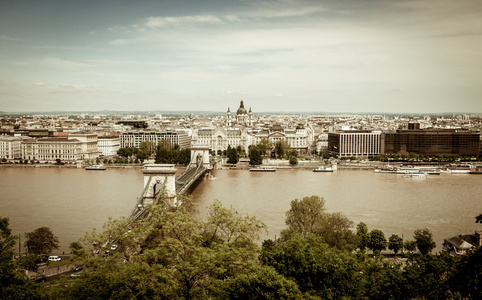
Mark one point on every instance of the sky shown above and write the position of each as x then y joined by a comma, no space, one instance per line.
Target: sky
393,56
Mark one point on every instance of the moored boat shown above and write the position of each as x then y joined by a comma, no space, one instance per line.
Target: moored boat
264,169
323,169
416,175
95,167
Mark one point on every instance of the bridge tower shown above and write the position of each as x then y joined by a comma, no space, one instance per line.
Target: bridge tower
203,153
156,178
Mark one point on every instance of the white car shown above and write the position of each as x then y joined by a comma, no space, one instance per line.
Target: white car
113,247
54,258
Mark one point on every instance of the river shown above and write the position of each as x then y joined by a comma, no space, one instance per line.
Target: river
74,201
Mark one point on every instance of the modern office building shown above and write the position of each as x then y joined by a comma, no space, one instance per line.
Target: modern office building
173,137
350,143
431,142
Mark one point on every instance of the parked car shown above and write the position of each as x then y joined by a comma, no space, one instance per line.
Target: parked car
54,258
77,274
113,247
79,268
40,278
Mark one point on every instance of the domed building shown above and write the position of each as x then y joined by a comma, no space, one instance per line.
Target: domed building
243,117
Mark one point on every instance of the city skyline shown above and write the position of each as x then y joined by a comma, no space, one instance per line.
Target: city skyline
278,56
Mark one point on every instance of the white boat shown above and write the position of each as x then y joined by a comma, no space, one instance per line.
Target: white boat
263,169
416,175
95,167
323,169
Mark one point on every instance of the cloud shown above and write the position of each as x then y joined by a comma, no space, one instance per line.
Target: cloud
7,38
51,62
120,42
156,22
41,84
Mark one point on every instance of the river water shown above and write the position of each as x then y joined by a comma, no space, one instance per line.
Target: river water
74,201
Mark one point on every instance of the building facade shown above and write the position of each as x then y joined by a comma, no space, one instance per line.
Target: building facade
218,139
431,142
173,137
362,144
108,145
90,144
10,148
50,149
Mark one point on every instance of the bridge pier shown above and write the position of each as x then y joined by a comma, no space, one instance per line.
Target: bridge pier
158,177
203,153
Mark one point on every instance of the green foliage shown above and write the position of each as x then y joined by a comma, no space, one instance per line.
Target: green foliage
255,158
424,241
478,219
377,240
29,261
309,216
293,160
7,242
127,152
363,236
410,246
175,254
258,282
233,155
41,241
465,281
166,155
318,269
395,243
78,251
146,149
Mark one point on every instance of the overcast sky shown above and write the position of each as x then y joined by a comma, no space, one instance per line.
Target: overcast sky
422,56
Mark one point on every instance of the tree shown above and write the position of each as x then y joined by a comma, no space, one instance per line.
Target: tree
255,158
146,149
309,216
363,236
467,276
424,241
293,160
41,241
259,282
7,242
233,155
172,254
395,243
305,216
319,270
377,242
478,219
410,246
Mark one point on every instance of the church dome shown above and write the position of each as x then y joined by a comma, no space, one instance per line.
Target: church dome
241,109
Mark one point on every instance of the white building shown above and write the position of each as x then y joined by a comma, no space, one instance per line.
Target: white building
51,149
10,148
300,138
90,147
219,138
355,143
108,145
